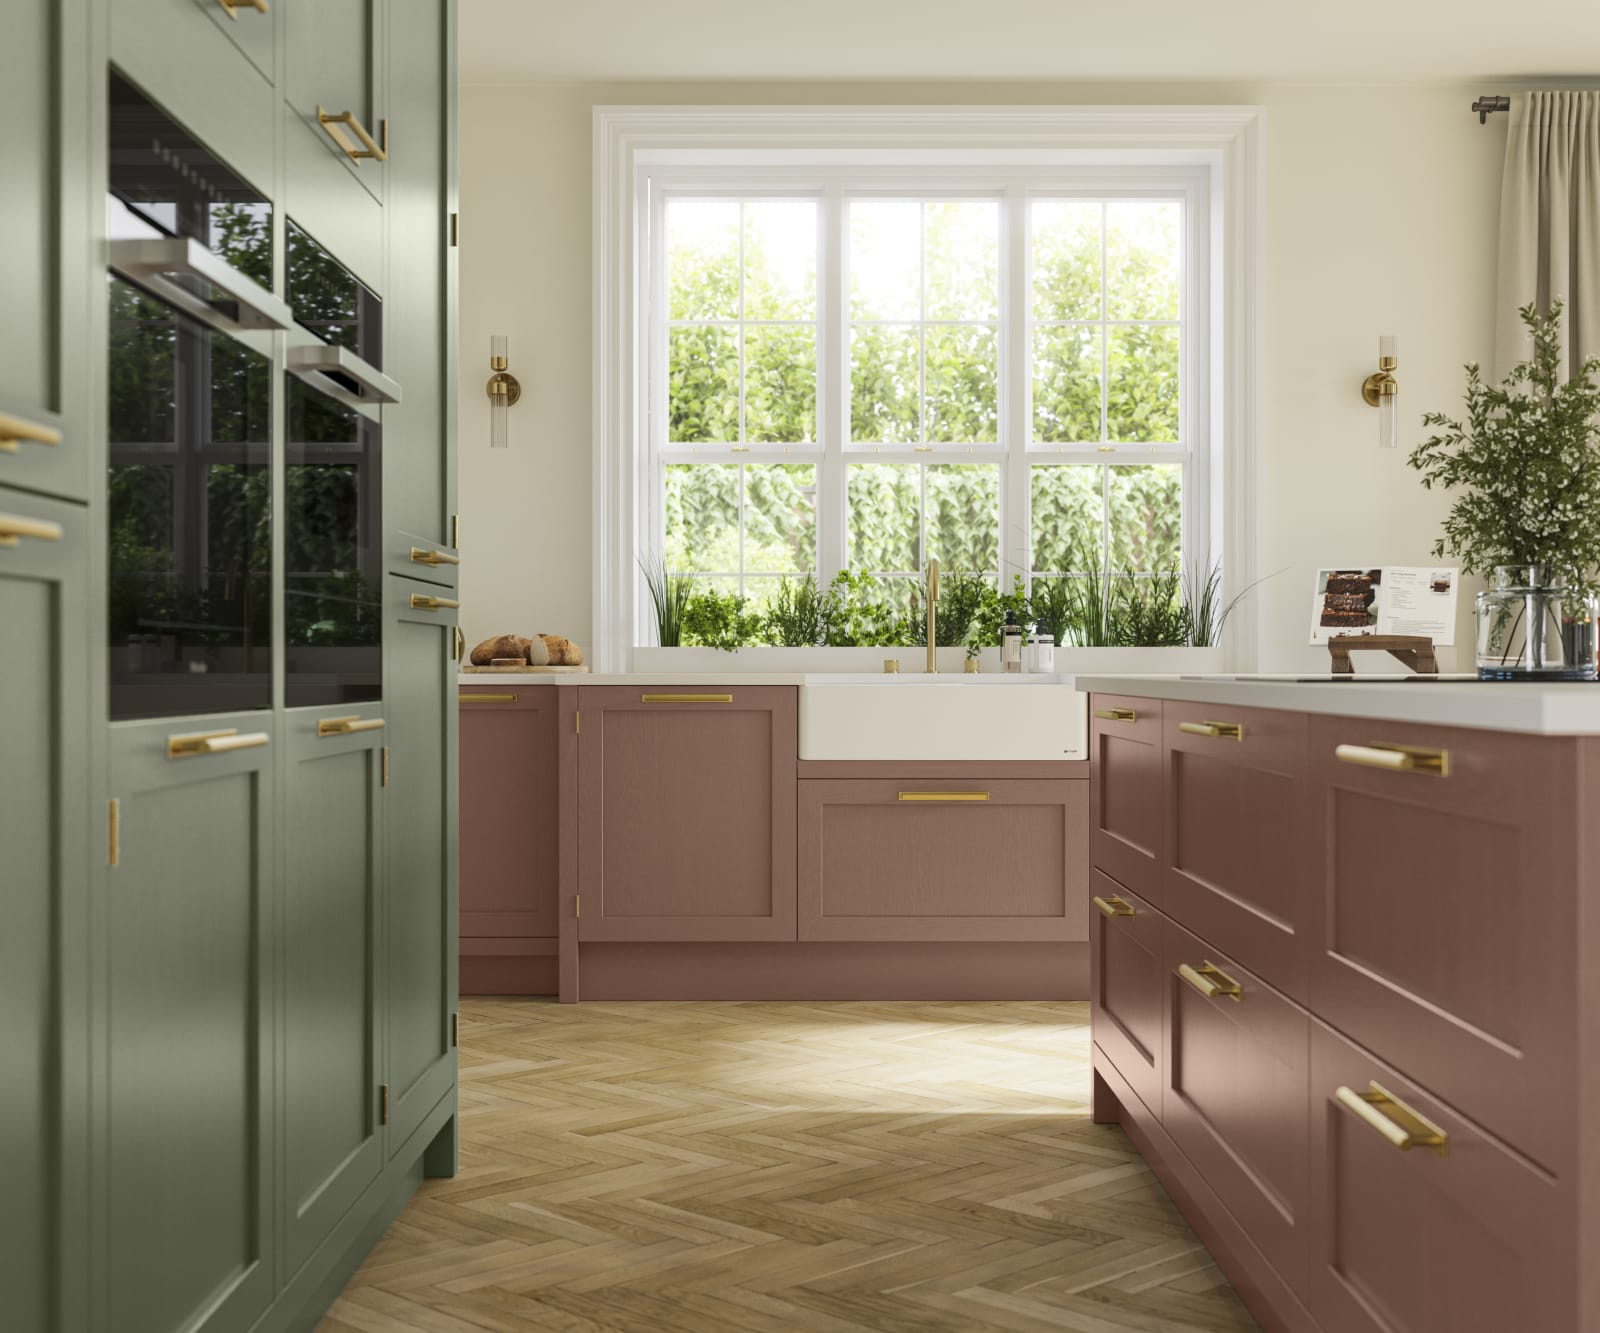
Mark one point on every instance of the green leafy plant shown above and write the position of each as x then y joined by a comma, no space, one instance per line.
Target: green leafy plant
1208,613
1149,612
721,620
860,614
671,594
1525,462
990,617
800,614
961,596
1052,607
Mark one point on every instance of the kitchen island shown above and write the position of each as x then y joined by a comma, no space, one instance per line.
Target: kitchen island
1343,991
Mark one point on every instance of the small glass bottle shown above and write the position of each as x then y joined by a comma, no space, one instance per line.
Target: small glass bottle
1011,645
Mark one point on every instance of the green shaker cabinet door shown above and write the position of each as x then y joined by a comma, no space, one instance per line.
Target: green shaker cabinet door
420,433
420,980
333,63
331,841
189,1194
44,255
42,870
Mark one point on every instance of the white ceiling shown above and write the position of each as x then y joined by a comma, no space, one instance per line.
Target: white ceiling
1335,41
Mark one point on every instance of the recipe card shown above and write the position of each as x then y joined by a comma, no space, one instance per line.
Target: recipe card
1390,599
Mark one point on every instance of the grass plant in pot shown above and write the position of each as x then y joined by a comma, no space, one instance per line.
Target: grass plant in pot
1524,464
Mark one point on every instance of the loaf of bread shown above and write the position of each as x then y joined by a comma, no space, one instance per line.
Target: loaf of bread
511,648
563,652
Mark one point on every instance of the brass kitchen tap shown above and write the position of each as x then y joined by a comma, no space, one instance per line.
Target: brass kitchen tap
933,614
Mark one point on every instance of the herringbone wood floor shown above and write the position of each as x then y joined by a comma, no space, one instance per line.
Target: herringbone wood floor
777,1168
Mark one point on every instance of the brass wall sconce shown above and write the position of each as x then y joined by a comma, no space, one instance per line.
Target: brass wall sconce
503,391
1380,390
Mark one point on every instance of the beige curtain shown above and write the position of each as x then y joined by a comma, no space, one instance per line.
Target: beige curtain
1550,222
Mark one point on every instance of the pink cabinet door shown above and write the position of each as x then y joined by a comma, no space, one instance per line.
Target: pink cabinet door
509,837
1473,1240
686,813
1234,1101
1125,791
1236,834
943,860
1446,915
1127,985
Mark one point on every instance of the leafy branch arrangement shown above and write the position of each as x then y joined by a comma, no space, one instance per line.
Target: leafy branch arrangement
856,610
1526,461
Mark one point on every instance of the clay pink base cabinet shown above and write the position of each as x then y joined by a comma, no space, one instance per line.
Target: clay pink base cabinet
662,843
1347,1011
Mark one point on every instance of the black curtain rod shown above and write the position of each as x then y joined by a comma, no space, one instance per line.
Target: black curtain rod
1487,106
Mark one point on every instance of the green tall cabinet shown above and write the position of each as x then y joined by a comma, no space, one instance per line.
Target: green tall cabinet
227,576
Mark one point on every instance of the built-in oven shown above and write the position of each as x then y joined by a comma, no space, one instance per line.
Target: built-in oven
189,415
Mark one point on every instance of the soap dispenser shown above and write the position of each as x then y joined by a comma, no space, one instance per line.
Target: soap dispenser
1011,645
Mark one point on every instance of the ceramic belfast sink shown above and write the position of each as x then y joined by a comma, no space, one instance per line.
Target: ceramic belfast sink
943,717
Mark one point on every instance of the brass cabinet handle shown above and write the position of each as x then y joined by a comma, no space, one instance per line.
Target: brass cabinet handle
1233,731
1116,714
686,698
195,743
345,726
1396,758
14,431
422,602
1404,1128
461,644
488,698
232,7
1211,981
422,557
944,796
331,121
13,528
1115,906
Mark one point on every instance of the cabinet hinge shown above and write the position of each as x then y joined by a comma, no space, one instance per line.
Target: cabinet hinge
384,765
114,832
455,229
455,1029
577,905
383,1104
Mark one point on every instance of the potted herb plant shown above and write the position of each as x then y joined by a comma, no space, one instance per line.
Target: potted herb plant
1525,466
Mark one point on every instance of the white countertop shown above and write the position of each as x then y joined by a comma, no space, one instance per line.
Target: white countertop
488,680
1557,709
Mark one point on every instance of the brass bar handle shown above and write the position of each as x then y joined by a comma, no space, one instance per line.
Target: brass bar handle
1116,714
1211,981
422,602
370,147
1404,1128
347,726
1115,906
1396,758
419,556
15,431
686,698
944,796
488,698
1233,731
232,7
195,743
13,528
461,644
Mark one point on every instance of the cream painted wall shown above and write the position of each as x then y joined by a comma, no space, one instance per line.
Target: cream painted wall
1381,207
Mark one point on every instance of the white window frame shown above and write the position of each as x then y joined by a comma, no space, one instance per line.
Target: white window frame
1208,155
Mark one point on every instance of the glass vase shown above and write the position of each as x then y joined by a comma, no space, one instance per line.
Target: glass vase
1529,630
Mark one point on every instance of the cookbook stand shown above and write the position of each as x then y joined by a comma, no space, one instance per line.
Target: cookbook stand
1413,650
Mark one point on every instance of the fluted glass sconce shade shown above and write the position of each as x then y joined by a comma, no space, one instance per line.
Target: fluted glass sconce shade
1382,389
503,391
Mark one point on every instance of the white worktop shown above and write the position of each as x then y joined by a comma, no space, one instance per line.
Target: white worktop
1557,709
488,680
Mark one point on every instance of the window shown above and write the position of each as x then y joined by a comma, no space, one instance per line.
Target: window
826,346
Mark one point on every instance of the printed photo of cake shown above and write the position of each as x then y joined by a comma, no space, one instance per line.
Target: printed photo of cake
1347,599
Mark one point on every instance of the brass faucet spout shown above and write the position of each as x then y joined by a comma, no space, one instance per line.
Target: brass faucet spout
933,614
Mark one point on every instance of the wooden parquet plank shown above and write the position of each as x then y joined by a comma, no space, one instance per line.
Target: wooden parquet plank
785,1168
